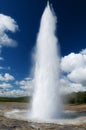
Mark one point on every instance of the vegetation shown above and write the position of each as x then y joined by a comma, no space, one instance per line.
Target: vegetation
14,99
75,98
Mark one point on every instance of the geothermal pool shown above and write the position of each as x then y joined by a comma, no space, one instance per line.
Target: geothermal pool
68,117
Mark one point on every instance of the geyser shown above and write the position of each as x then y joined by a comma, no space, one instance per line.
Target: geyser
46,101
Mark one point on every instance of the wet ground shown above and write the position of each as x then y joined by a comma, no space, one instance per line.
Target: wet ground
19,124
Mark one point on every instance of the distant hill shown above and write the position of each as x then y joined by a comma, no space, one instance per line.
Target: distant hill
14,99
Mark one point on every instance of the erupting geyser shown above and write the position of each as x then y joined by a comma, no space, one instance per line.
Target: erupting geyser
46,106
46,102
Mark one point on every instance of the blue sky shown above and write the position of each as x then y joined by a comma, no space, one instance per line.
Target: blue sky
15,59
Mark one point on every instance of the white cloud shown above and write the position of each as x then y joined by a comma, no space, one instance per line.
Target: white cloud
5,86
75,67
24,89
83,51
78,75
73,61
6,77
7,24
14,93
68,87
26,84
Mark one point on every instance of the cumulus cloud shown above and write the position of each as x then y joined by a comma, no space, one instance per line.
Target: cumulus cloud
78,75
74,66
6,77
24,88
26,84
5,86
83,51
73,61
8,89
69,87
14,93
7,24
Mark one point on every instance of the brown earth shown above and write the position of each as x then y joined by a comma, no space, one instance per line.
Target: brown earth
77,108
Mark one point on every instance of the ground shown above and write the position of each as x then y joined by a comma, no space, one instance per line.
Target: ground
15,124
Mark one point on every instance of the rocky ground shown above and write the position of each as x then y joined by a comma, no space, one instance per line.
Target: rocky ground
14,124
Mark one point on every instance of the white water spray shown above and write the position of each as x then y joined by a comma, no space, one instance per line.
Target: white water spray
46,102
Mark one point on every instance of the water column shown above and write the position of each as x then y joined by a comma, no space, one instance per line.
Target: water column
46,103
